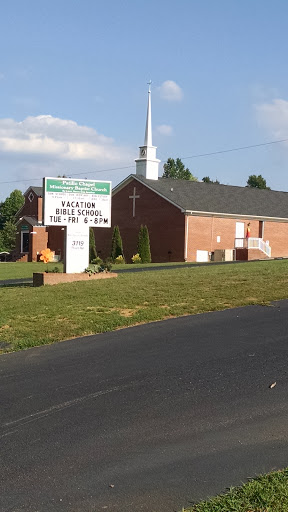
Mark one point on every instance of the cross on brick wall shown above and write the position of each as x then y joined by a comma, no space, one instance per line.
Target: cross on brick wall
134,197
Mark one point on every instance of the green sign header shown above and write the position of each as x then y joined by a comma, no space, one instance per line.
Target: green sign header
71,186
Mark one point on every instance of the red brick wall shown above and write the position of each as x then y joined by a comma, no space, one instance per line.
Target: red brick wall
38,242
56,240
165,222
277,234
203,232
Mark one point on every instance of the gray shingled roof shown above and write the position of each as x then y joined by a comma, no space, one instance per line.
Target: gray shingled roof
31,220
37,190
208,197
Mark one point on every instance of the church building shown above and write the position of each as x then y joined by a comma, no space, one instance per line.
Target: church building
194,221
187,220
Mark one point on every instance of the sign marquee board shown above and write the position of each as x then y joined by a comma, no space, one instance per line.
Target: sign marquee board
78,205
77,202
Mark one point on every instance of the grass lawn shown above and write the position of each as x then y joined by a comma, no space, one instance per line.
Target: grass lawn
267,493
17,270
20,269
34,316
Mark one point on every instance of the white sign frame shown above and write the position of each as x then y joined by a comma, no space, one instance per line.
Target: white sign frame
68,201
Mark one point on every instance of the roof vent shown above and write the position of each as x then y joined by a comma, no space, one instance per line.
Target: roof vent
171,189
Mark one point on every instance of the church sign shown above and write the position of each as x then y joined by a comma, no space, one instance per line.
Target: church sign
77,202
78,205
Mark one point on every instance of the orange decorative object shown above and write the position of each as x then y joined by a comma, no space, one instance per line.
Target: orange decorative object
46,255
248,232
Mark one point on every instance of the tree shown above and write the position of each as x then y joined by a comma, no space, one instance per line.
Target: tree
10,207
176,170
92,246
206,179
8,237
144,245
117,245
257,182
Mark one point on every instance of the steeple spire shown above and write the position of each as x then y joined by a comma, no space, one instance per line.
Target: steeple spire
148,131
147,164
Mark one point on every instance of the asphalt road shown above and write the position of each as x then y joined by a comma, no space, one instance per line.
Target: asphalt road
148,418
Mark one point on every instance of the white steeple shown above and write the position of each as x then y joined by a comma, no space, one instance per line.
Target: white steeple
148,131
147,164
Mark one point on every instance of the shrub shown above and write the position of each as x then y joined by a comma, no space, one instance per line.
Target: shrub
105,267
92,270
92,246
97,261
144,245
120,259
136,258
54,270
117,245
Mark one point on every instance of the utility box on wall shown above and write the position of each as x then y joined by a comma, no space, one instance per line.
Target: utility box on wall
202,256
229,254
219,255
224,255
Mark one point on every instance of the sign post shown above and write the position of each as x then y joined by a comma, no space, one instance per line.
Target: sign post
78,205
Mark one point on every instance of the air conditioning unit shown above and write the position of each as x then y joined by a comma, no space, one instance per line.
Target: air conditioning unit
224,255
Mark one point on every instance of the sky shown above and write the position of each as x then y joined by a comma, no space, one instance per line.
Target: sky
73,88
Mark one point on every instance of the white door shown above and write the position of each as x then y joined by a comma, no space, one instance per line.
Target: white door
240,234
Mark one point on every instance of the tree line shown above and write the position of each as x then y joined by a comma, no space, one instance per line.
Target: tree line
175,169
8,228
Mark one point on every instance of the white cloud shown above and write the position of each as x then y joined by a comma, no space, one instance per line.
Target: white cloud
46,146
273,117
50,136
170,91
165,129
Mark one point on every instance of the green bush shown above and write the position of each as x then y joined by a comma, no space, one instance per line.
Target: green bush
144,245
92,246
95,269
119,260
117,245
97,261
136,258
105,267
53,270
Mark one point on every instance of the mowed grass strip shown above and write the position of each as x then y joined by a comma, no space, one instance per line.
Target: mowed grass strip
34,316
21,270
18,270
267,493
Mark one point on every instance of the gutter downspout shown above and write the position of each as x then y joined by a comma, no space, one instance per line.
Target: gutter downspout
212,234
186,237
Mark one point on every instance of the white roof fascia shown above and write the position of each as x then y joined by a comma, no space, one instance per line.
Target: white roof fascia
122,184
234,215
